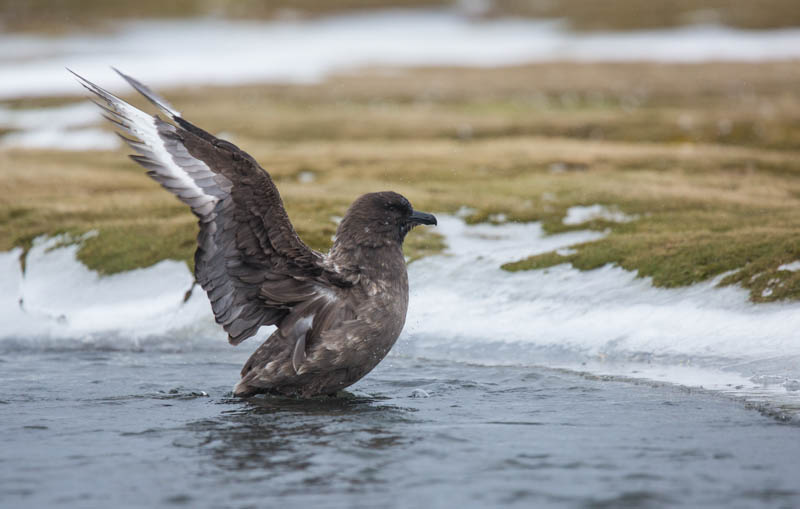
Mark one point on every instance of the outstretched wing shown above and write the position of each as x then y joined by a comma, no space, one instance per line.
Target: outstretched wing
249,259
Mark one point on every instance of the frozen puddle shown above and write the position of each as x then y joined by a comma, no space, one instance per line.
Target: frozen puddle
463,307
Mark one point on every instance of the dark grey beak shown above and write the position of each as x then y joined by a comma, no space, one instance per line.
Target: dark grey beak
422,218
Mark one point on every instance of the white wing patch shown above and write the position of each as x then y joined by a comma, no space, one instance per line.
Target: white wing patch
157,143
153,97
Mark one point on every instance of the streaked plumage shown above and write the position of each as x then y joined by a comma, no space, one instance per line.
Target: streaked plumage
337,315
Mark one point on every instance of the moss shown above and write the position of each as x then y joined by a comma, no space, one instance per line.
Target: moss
130,246
542,261
678,260
704,208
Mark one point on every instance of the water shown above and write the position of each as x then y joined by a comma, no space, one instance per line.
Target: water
545,388
462,308
125,401
101,428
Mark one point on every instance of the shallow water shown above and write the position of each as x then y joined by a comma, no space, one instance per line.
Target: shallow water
116,392
124,429
463,307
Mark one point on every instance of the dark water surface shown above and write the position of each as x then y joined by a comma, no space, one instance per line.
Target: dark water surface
128,429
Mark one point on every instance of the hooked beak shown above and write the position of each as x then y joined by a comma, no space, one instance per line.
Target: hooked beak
422,218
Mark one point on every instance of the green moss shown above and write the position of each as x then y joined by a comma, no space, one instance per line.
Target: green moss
125,247
541,261
514,144
678,260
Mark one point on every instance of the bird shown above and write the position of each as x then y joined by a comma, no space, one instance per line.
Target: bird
337,315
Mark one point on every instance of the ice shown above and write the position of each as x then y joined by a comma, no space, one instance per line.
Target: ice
465,297
462,307
59,303
303,51
605,321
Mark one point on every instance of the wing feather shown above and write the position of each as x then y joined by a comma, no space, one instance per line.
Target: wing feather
249,259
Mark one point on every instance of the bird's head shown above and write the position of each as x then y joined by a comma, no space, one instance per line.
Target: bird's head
379,219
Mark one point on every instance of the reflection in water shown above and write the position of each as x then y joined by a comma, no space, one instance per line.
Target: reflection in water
343,441
482,436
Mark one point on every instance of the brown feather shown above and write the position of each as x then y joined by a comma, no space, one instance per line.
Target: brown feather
337,315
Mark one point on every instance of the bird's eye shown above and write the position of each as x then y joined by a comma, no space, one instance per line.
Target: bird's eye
399,209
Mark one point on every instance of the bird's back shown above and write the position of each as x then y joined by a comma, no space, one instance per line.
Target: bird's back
329,345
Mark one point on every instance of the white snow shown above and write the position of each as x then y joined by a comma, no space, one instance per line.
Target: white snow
61,127
462,307
74,139
464,296
59,302
302,51
582,214
306,177
72,115
791,267
307,51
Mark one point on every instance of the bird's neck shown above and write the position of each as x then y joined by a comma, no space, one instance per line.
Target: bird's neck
374,260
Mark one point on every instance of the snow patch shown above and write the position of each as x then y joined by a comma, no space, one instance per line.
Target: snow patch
59,303
75,139
306,177
71,115
62,127
463,297
791,267
582,214
462,307
606,321
291,50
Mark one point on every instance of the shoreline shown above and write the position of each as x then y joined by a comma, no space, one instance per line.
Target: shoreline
150,313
